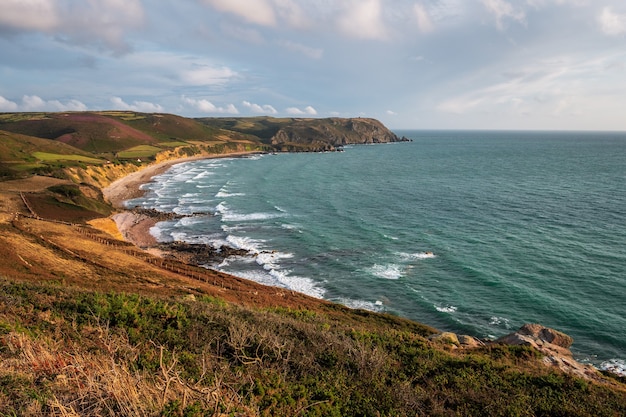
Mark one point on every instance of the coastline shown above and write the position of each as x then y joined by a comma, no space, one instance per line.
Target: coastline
135,227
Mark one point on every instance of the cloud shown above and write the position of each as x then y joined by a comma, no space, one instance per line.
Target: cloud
96,21
424,22
207,75
296,111
140,106
264,109
313,53
37,15
503,9
292,13
36,103
363,20
259,12
612,24
549,87
391,113
205,106
7,105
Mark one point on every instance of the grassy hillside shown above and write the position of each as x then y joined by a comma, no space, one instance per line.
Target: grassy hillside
47,143
22,155
262,127
75,352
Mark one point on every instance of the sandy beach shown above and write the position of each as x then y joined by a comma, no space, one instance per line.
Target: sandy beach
135,227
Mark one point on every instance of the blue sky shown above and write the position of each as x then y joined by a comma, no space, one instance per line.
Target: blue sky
442,64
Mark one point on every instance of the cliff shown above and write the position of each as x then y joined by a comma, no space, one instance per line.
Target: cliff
328,134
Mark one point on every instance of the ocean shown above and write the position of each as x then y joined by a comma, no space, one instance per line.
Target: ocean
475,232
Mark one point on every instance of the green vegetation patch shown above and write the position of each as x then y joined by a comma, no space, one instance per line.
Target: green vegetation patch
141,151
53,157
173,144
58,340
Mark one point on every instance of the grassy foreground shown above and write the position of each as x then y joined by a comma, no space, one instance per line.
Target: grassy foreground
76,352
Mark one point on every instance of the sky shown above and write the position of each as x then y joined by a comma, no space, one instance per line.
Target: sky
412,64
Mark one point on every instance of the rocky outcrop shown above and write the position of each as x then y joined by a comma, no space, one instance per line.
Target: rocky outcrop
554,347
329,134
453,340
537,334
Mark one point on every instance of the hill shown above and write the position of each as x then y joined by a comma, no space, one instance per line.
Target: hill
306,134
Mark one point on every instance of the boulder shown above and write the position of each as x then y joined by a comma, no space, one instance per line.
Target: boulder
448,338
546,334
469,341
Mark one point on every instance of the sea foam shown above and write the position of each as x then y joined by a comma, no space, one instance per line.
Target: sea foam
389,271
446,308
616,366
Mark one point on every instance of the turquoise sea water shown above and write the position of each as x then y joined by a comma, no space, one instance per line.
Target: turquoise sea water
472,232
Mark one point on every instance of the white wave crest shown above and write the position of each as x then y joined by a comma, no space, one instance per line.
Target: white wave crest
238,217
270,260
446,308
616,366
241,242
390,271
224,194
360,304
500,321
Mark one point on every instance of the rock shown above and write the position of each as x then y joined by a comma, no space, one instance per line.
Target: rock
469,341
547,335
445,337
554,346
517,339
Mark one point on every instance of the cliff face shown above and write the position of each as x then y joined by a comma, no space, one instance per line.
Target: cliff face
328,134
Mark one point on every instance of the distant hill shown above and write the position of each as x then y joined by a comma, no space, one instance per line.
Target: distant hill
46,142
307,134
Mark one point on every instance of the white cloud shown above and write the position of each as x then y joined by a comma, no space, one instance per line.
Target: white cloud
552,87
259,12
256,108
40,15
391,113
292,13
296,111
611,23
503,9
95,21
7,105
363,20
424,21
313,53
207,75
140,106
205,106
36,103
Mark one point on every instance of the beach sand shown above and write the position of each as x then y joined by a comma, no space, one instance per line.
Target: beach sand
135,227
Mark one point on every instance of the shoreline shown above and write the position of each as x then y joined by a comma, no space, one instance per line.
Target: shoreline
128,186
135,227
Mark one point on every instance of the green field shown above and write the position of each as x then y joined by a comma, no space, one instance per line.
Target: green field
53,157
140,151
173,144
